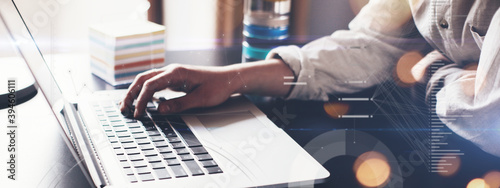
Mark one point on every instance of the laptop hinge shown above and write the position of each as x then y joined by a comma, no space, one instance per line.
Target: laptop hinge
86,148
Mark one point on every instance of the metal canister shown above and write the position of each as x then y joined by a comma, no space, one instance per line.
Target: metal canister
265,27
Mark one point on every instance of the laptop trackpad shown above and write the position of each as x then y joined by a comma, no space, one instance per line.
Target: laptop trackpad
232,127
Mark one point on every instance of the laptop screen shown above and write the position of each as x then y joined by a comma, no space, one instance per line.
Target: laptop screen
13,22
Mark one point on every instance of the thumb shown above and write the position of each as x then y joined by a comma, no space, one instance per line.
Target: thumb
190,100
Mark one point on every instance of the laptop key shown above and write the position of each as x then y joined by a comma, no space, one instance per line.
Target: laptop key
121,129
139,135
147,147
214,170
169,134
119,151
143,170
153,132
143,141
139,164
116,145
132,178
165,150
129,145
156,138
125,164
113,139
178,171
133,151
129,120
113,117
110,134
191,140
209,163
128,171
203,157
194,168
174,139
117,124
135,157
158,118
146,177
137,131
107,128
198,150
168,155
172,162
121,158
187,157
134,125
156,165
126,140
153,159
166,129
160,144
123,134
161,122
178,145
182,151
162,173
149,153
148,124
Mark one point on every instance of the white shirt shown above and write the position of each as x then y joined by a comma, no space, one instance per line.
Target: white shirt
465,31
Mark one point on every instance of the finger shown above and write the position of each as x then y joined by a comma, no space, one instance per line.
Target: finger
189,101
149,88
135,88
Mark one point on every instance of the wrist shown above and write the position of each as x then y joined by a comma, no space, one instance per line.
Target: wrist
262,77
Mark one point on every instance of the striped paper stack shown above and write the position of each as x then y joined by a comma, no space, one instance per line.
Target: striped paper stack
121,50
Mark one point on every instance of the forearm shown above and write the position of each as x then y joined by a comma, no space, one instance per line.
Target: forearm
262,78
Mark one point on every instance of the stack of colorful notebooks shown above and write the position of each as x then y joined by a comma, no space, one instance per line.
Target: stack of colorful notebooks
121,50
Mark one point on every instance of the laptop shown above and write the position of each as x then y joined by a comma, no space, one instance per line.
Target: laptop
230,145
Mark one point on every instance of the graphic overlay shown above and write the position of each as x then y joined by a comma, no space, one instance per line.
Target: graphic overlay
444,157
289,80
375,165
11,130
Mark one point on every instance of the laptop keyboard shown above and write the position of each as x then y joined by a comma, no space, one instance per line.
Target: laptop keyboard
154,147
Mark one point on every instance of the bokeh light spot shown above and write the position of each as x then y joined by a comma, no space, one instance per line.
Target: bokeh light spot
404,76
492,178
372,169
450,165
477,183
336,109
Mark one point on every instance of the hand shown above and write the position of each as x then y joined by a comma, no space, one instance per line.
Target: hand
205,86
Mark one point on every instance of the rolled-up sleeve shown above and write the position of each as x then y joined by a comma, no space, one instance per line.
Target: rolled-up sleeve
469,102
351,60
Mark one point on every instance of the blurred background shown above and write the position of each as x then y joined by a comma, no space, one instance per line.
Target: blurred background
61,26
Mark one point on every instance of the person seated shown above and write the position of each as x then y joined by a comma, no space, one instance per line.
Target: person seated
463,32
